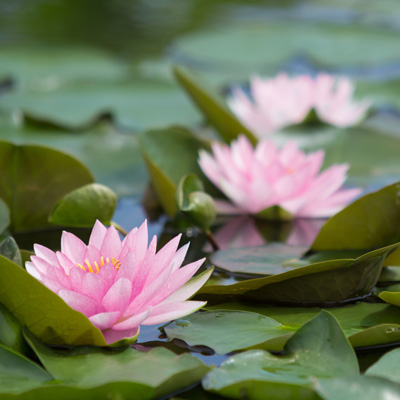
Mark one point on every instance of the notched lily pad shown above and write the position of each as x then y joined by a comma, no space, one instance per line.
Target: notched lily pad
271,259
83,206
328,283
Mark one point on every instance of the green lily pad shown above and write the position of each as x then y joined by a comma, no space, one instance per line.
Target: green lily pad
159,149
266,47
195,203
11,332
364,324
83,206
42,311
328,282
390,297
33,179
47,68
215,112
226,331
371,221
156,373
360,387
270,259
18,373
317,350
388,366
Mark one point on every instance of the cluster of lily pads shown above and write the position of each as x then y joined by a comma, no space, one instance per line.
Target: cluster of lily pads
298,320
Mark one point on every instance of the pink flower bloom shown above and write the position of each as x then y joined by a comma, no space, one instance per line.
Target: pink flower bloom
284,101
119,285
255,179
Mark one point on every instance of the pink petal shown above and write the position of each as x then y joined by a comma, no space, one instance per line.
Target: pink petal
31,269
80,302
111,246
104,320
170,311
66,264
97,235
93,286
118,296
112,336
72,247
46,254
132,321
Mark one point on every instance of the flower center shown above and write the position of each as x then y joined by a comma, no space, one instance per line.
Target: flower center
89,268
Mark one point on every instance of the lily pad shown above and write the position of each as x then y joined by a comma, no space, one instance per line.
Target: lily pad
360,387
318,350
154,374
42,311
159,149
270,259
31,188
325,283
226,331
214,110
364,324
390,297
370,222
266,47
388,366
83,206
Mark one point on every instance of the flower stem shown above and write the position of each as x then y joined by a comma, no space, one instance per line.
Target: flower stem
119,228
212,241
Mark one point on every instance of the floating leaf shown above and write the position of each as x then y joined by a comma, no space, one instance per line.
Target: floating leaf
226,331
159,149
18,373
387,366
154,374
270,259
216,113
370,222
194,202
322,283
390,297
42,311
11,332
33,179
317,350
83,206
360,387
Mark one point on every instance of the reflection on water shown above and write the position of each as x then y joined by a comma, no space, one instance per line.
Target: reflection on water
245,231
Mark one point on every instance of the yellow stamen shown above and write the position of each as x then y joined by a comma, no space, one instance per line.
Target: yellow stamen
81,267
97,267
89,266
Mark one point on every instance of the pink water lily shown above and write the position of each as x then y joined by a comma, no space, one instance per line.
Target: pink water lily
120,285
283,100
255,179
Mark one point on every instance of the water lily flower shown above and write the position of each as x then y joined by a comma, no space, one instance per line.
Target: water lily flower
118,285
256,179
283,100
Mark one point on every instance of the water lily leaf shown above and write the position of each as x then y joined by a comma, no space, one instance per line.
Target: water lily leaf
390,297
83,206
226,331
270,259
370,222
275,213
215,112
365,324
47,68
388,366
318,349
10,250
266,48
156,373
42,311
18,373
321,283
11,332
195,203
360,387
31,188
159,149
